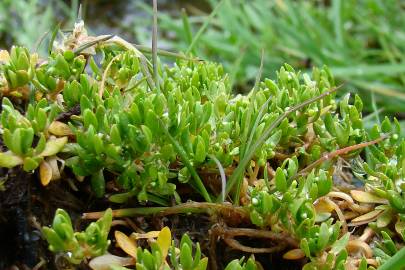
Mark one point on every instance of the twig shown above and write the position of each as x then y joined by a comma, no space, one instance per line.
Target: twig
118,222
145,72
253,176
236,245
367,234
339,213
91,43
134,227
254,233
341,195
213,232
228,234
227,211
336,153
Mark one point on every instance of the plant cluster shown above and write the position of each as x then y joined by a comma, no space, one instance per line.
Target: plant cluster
93,243
282,155
90,243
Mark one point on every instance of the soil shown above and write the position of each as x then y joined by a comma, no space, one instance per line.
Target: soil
25,206
20,243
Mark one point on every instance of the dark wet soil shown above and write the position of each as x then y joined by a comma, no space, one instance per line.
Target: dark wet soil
25,206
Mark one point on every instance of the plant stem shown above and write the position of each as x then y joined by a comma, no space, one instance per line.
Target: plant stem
187,27
185,208
146,49
336,153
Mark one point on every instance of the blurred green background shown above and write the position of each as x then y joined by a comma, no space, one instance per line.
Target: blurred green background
362,41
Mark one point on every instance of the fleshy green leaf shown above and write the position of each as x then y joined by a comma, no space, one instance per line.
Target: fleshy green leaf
10,160
53,146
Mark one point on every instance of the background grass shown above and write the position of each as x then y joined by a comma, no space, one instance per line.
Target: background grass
23,21
362,41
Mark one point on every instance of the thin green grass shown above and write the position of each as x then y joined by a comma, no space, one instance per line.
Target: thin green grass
24,20
236,177
363,42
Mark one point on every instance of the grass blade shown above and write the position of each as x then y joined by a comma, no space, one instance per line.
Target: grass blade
53,37
251,107
204,26
223,177
154,46
187,28
368,70
236,177
199,185
336,10
379,88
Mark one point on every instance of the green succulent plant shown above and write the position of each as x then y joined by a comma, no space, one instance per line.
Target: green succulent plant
156,256
186,260
19,132
18,70
241,265
276,154
77,246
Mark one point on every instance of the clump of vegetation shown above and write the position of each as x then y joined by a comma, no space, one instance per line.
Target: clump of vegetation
92,242
287,162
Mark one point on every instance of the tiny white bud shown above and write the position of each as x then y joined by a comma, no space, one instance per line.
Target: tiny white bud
255,201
